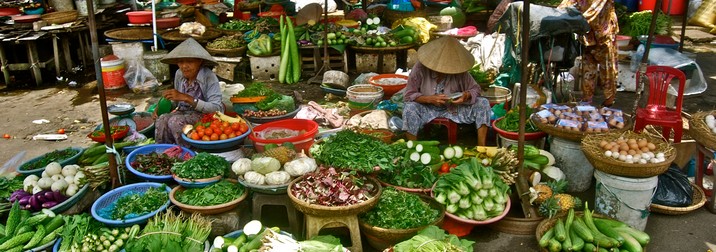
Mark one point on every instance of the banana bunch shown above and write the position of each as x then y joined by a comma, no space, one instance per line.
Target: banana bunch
504,164
225,118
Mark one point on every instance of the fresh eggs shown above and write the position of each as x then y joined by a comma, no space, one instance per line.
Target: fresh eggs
711,123
632,150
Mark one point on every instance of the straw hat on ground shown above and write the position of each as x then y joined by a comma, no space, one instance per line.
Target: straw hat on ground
446,55
189,49
309,12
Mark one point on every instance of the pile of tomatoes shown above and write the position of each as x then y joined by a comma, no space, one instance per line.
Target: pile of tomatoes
217,130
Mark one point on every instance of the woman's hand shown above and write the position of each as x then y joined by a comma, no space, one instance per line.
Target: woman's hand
174,95
464,98
437,100
154,113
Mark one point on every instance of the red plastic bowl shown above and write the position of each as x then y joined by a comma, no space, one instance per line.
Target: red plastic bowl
117,135
300,142
164,23
139,17
388,90
515,135
9,11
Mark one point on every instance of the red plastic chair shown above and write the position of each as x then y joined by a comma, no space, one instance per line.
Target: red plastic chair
656,112
451,128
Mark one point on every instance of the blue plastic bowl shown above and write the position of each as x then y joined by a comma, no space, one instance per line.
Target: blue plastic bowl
147,149
218,144
36,11
38,171
112,196
198,183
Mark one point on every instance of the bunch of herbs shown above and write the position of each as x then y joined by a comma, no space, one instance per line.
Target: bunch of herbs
75,229
410,174
135,204
256,89
155,163
9,185
212,195
400,210
54,156
511,121
201,166
168,231
358,152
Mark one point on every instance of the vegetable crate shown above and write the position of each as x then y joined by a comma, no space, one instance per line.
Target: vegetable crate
265,68
312,58
367,62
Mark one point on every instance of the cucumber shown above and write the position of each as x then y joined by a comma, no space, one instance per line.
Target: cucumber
54,223
582,231
34,220
642,237
602,249
577,242
554,245
16,241
16,249
427,158
411,144
608,231
567,244
449,153
36,238
240,241
101,159
611,223
544,241
221,242
540,159
256,242
13,219
2,230
458,151
589,247
559,232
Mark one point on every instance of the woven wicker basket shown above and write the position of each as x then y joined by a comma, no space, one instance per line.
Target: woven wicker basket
60,17
234,52
326,211
515,225
700,131
130,33
576,136
698,199
595,155
217,209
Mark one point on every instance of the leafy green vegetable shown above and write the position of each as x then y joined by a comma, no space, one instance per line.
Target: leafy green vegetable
322,243
237,25
277,101
639,23
54,156
136,204
75,229
400,210
168,231
7,186
256,89
212,195
201,166
511,122
433,239
358,152
410,174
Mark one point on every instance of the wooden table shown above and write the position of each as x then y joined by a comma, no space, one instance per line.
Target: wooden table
400,54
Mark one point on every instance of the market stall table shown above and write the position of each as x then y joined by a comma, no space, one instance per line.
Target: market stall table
400,53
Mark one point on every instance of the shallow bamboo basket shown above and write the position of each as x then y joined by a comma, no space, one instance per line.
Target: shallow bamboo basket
700,132
698,199
595,155
333,211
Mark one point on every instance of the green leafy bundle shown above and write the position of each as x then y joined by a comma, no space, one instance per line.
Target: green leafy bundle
201,166
212,195
400,210
168,231
358,152
433,239
411,175
511,122
54,156
136,204
253,90
639,23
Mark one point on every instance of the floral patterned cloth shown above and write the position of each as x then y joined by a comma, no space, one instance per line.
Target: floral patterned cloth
600,58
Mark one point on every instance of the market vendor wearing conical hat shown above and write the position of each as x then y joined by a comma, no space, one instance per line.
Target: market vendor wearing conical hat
442,71
196,91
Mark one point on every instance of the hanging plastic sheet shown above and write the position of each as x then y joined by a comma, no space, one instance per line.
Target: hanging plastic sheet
695,83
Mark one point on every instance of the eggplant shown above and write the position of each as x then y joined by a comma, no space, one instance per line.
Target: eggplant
59,197
18,194
49,204
26,207
40,196
35,203
25,200
49,196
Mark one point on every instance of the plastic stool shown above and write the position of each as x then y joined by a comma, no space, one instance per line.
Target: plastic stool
261,199
451,128
314,224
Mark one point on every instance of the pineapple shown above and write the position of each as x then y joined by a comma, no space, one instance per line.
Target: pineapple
282,153
549,208
557,186
543,191
566,201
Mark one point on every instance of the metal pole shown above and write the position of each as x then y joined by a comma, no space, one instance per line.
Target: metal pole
114,178
641,72
683,27
522,184
154,25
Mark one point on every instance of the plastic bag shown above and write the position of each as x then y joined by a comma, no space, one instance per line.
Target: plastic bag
673,189
139,78
261,46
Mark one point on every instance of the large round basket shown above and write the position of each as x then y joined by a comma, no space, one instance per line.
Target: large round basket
112,196
516,225
175,35
381,238
148,149
130,33
38,171
547,224
268,119
700,131
576,136
332,211
217,209
595,155
60,17
233,52
265,189
698,199
515,135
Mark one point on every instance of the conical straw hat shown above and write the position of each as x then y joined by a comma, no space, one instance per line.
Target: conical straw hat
189,49
446,55
311,11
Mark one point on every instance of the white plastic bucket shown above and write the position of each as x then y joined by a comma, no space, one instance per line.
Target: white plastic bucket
364,97
624,199
569,157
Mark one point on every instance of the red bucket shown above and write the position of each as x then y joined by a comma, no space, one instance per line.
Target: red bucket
301,142
113,72
455,227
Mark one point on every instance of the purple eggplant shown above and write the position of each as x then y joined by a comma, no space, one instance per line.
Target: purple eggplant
59,197
49,204
18,194
40,196
35,203
26,207
49,196
25,200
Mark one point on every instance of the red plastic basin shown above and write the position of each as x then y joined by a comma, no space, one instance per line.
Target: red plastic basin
388,90
515,135
300,142
139,17
164,23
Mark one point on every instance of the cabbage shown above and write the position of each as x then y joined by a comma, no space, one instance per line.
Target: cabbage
265,165
241,166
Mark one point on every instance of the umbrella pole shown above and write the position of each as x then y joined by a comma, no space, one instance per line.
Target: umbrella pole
114,178
641,73
521,184
154,26
326,66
